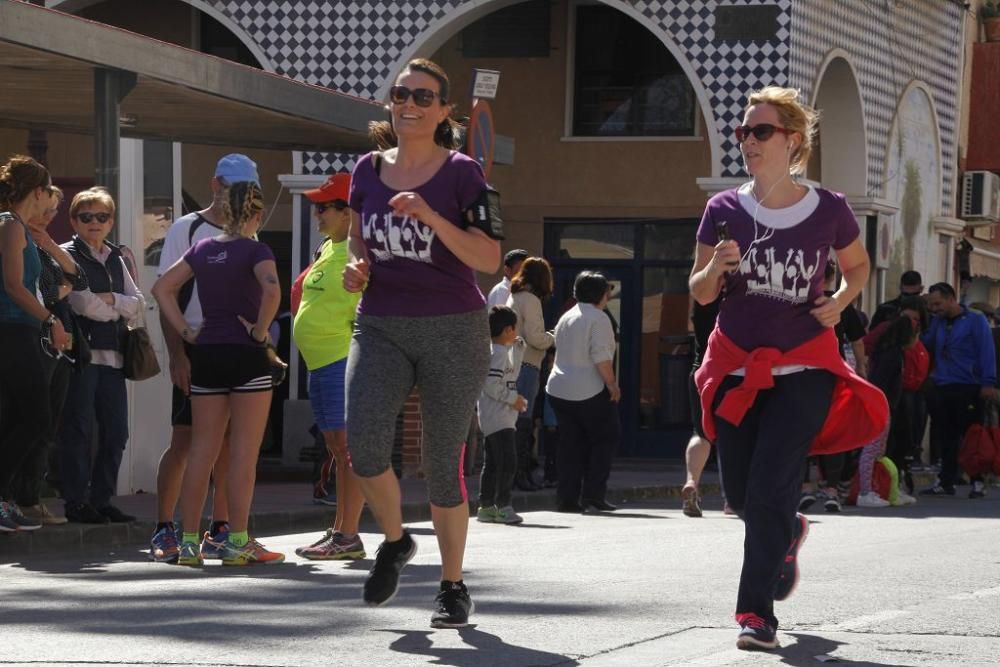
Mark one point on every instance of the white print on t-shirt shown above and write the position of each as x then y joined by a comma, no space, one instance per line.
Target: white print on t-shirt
783,277
218,259
393,236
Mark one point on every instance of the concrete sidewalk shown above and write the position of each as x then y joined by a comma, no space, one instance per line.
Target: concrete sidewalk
287,507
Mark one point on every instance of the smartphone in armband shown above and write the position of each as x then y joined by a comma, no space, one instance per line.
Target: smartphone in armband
484,214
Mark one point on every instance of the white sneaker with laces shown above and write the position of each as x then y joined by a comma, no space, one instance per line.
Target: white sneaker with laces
872,499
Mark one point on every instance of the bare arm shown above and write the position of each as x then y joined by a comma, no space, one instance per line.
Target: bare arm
853,261
472,246
270,298
55,251
356,271
860,358
166,290
607,372
710,266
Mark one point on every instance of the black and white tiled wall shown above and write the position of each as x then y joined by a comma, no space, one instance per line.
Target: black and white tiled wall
355,47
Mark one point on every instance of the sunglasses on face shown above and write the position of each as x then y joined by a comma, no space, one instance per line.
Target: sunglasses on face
87,218
422,97
761,132
337,205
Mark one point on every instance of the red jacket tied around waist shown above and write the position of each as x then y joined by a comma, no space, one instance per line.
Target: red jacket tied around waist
858,411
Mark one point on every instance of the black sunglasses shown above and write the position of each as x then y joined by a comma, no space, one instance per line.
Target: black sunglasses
337,205
422,97
762,132
85,218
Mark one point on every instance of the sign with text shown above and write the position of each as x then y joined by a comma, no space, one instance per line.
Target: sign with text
485,83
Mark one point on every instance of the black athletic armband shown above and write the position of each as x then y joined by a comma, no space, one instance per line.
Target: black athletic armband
484,214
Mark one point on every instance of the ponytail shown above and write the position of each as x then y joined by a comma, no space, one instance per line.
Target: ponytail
19,176
240,202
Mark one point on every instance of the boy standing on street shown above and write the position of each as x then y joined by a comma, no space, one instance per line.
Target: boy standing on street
499,405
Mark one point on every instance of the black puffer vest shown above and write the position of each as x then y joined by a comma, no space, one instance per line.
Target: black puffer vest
107,277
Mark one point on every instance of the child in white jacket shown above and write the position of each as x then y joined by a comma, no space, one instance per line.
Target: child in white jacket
499,406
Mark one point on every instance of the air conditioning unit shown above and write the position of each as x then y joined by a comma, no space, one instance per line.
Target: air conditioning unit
981,197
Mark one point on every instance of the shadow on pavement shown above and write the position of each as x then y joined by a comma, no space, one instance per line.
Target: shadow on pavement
482,649
808,647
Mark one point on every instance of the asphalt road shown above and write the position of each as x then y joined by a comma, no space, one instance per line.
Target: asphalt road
647,586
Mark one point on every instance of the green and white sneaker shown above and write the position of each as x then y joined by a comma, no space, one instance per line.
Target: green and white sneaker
487,514
508,516
190,555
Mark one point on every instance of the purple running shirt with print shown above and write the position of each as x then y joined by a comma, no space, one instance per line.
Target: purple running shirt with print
227,287
413,274
768,299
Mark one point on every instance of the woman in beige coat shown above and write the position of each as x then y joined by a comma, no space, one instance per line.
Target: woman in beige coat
531,286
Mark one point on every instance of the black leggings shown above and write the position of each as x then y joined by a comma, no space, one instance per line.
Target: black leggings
24,401
761,461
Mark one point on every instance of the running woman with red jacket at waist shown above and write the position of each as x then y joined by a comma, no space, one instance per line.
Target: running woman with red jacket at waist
772,369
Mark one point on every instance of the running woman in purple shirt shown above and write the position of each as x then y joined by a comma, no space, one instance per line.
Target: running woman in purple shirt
414,249
237,284
767,243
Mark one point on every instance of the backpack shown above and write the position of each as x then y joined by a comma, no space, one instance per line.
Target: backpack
979,450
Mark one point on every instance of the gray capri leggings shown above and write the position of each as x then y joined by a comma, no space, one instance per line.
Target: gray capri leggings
447,358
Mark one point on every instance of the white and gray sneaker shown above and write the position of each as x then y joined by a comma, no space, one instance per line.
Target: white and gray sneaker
872,499
507,515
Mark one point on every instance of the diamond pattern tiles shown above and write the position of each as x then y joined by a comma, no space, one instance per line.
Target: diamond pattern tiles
890,44
355,46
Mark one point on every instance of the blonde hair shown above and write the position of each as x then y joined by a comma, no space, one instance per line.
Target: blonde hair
794,116
96,195
57,191
240,202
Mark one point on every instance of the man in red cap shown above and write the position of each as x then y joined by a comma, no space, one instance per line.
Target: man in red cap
324,323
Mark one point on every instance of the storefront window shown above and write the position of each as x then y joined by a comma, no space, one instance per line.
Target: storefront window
674,242
610,240
665,348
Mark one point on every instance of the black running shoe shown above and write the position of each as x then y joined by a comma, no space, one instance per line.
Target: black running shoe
453,606
788,579
84,513
115,515
755,633
383,579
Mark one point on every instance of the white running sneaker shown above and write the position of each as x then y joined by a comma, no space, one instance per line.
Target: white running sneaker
903,498
872,499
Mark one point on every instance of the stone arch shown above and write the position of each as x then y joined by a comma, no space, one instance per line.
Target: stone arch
843,150
443,29
76,6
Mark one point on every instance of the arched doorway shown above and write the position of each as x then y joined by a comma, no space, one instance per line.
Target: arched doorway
840,162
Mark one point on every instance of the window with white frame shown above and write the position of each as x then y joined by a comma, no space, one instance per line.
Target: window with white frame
625,81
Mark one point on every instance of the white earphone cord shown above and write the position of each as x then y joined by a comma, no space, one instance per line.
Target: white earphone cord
769,231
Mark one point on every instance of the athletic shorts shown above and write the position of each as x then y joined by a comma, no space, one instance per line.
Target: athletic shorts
224,369
326,395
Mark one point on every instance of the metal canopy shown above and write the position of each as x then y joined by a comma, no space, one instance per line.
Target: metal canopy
48,62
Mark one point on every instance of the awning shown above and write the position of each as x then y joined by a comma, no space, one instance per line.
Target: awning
984,259
48,61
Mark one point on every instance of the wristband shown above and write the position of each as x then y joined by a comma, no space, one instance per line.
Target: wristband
50,320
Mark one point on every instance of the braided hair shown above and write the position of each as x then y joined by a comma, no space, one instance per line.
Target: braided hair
240,202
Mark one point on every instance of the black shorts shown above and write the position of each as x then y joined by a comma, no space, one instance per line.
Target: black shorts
224,369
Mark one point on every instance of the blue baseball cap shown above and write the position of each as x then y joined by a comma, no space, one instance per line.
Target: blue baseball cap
237,168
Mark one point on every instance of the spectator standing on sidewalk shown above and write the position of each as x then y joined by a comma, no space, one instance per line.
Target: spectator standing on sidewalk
499,406
584,393
183,233
59,276
910,284
231,383
963,366
97,395
322,331
773,369
511,265
416,244
530,287
25,193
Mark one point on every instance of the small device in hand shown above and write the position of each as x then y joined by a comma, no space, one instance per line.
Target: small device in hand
722,231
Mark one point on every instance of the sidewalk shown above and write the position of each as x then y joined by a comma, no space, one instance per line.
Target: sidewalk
287,507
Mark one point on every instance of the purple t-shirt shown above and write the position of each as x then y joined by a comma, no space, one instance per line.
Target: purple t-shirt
227,287
768,299
413,274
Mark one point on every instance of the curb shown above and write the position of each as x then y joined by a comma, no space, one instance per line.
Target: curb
82,538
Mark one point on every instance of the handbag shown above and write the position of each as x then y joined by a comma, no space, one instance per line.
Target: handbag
140,357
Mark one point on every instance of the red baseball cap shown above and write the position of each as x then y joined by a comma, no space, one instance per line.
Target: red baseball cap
337,186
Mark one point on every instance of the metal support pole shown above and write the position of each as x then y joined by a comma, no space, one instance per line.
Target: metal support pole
110,88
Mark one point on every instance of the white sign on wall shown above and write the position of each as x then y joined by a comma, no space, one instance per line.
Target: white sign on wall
485,83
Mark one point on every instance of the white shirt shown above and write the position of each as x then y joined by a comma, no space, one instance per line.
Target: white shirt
175,245
499,294
584,338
